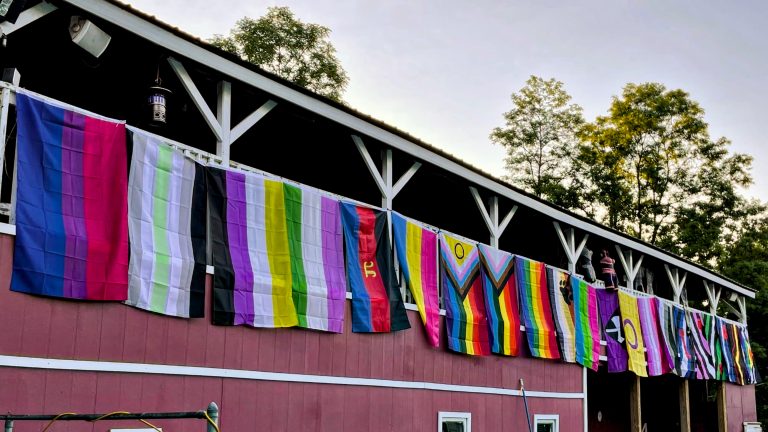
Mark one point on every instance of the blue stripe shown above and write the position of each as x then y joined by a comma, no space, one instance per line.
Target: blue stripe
399,230
493,316
361,302
38,264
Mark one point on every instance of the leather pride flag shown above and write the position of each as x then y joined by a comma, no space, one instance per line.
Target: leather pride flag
633,333
377,306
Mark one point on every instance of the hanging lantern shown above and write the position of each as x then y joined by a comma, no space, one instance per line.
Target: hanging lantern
158,99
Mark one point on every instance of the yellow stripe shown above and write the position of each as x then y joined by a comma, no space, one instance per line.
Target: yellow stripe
503,303
279,255
470,327
538,306
413,258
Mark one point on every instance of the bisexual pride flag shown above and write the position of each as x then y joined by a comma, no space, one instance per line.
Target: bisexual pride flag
71,204
377,305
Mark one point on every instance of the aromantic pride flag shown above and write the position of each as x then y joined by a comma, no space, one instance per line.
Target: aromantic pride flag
633,334
166,224
561,298
71,204
377,305
586,323
497,268
416,248
655,354
252,268
465,314
705,360
610,322
535,308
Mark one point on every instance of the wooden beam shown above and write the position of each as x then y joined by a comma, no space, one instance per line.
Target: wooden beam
370,165
722,410
685,407
251,120
197,97
635,406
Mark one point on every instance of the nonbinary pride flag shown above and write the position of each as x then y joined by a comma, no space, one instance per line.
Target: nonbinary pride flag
416,248
465,314
633,333
166,223
71,204
377,305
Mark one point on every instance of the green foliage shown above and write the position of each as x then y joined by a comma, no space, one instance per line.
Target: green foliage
539,135
280,43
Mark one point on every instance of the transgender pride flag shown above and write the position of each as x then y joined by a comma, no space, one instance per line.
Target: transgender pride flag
71,204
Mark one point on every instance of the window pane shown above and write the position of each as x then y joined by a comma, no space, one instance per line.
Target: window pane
453,426
544,427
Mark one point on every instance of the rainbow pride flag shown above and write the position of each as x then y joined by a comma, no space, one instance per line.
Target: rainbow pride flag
377,305
561,297
465,314
416,248
71,204
586,323
501,300
535,308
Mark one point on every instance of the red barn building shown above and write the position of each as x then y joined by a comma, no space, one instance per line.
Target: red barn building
61,356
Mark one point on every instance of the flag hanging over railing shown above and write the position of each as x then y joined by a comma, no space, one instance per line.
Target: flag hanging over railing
705,360
465,314
71,204
497,269
561,298
416,248
535,308
166,223
377,305
658,363
610,322
633,334
586,323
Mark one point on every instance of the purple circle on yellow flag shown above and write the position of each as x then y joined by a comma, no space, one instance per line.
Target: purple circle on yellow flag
629,326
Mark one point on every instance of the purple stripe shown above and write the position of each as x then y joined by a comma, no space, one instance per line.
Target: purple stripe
73,205
237,236
333,264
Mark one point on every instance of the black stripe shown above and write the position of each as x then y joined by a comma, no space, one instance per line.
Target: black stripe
222,304
197,232
397,315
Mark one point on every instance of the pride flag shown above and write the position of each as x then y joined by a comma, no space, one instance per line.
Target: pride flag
465,314
657,362
561,296
727,370
705,359
501,300
535,308
416,248
748,358
633,334
166,224
377,305
586,323
610,322
71,204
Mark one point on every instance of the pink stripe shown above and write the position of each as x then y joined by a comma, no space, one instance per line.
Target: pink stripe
72,206
429,284
105,181
333,264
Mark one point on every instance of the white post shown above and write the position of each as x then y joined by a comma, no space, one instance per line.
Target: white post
5,103
713,295
491,216
678,284
631,269
584,391
572,251
224,118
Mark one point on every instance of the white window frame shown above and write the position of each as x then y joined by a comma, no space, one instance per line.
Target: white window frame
553,419
448,415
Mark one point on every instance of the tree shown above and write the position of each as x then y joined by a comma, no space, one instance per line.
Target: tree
658,175
539,136
280,43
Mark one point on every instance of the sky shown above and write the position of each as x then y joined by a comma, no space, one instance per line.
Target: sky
444,71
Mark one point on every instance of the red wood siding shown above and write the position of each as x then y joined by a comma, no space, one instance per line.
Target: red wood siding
741,406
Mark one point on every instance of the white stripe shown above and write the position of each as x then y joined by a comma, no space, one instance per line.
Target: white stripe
147,233
255,196
312,257
145,368
175,264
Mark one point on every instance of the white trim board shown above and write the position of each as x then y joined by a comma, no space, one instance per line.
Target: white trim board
7,229
159,369
153,33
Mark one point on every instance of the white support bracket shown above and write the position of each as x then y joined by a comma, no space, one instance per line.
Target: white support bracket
742,302
27,17
678,283
713,294
631,268
735,311
220,123
491,216
384,181
569,244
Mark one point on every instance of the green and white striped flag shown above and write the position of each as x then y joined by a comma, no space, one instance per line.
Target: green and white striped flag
166,227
